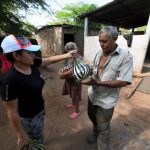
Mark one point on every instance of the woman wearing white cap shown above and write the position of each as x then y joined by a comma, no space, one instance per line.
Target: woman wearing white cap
21,87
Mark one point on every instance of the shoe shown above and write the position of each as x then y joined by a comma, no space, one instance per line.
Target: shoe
74,115
91,139
69,106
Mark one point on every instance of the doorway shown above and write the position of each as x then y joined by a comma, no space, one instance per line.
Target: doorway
68,38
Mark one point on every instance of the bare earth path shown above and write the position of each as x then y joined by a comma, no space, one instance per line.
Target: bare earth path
130,126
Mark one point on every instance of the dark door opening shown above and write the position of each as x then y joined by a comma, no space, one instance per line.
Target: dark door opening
68,38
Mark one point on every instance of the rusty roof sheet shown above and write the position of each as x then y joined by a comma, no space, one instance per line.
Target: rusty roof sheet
121,13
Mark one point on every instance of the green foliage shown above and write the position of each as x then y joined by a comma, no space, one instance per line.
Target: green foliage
125,31
11,21
129,31
69,15
70,12
143,28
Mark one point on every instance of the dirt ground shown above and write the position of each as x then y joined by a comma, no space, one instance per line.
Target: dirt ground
130,126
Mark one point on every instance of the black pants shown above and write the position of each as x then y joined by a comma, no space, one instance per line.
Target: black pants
100,118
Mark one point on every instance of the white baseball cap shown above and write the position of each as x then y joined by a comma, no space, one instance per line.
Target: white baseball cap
13,43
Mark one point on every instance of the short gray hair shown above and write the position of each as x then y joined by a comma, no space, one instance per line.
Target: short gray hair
70,46
111,30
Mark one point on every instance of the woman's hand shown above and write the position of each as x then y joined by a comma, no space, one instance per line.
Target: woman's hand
72,54
66,74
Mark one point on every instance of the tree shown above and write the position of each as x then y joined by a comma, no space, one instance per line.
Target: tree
11,21
69,14
143,28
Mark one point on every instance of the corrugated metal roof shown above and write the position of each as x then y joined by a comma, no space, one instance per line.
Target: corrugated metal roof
122,13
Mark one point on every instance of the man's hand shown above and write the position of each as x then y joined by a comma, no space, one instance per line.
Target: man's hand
91,81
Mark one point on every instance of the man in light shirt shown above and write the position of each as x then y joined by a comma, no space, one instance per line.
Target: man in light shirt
112,69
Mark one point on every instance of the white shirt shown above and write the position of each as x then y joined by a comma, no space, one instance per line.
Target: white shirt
118,67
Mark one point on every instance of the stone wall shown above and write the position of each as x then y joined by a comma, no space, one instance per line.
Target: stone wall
52,39
57,42
45,38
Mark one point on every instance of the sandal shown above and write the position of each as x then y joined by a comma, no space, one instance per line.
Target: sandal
74,115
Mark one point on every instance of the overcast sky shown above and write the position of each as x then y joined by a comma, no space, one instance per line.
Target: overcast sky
43,18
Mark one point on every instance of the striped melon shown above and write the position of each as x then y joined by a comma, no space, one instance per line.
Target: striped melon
81,70
34,145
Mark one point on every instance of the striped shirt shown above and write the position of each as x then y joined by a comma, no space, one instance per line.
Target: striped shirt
119,66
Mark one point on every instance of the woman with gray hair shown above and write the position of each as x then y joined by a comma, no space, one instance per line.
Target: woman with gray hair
71,87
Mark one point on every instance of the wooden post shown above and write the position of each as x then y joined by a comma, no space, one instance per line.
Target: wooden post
85,27
85,32
133,91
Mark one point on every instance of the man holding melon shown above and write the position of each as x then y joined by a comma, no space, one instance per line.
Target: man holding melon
112,69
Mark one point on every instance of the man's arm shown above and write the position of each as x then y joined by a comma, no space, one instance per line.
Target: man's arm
111,84
124,78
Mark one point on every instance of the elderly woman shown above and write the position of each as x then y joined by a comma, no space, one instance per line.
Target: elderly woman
21,87
71,86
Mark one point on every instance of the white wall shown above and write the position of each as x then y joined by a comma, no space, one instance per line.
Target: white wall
91,46
138,49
